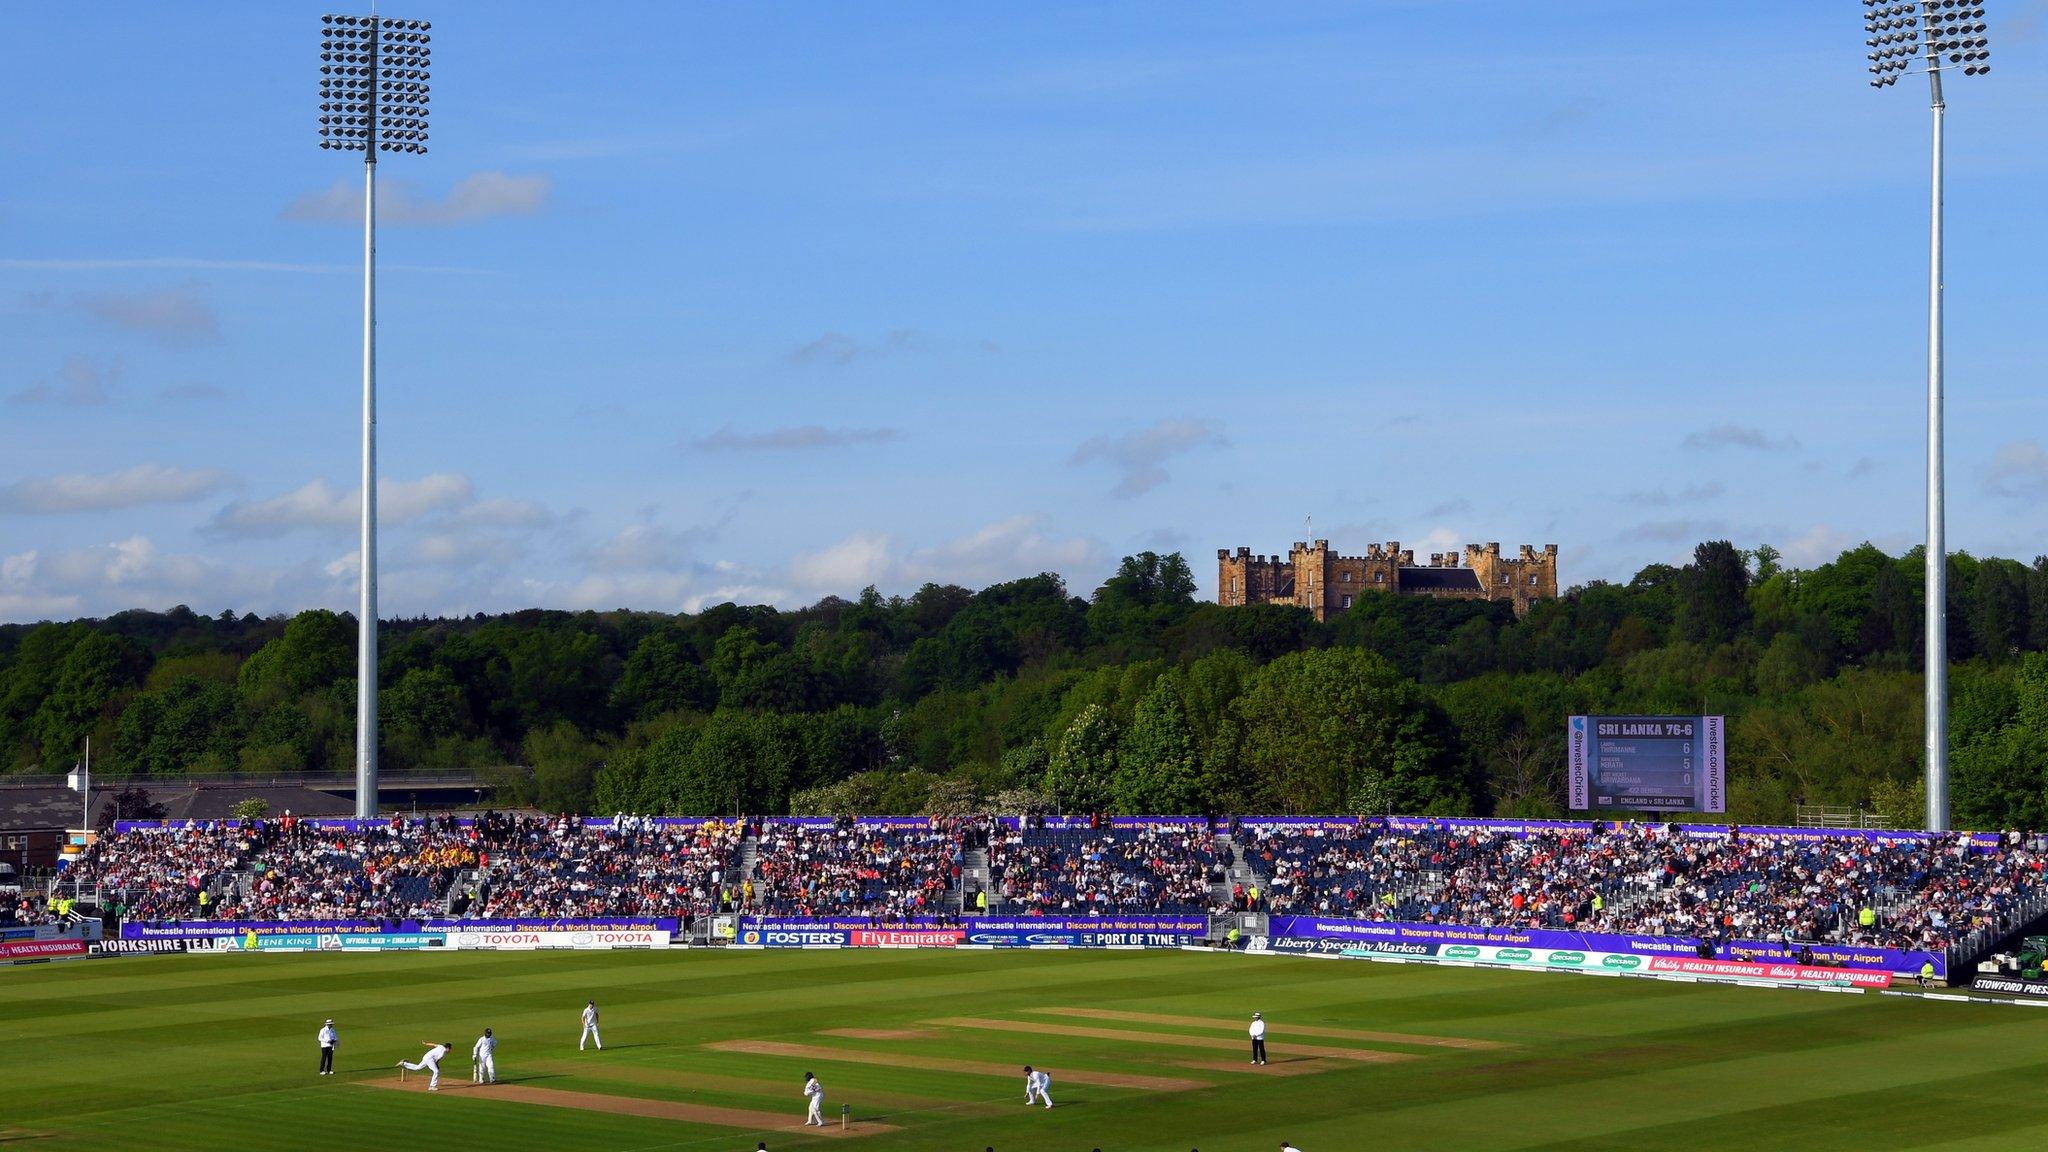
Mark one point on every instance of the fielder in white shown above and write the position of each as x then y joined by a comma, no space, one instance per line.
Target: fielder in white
1037,1086
590,1028
814,1092
483,1059
431,1062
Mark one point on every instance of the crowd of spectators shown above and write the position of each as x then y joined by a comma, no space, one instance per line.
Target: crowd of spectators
852,870
1654,880
411,867
559,868
1170,869
1644,879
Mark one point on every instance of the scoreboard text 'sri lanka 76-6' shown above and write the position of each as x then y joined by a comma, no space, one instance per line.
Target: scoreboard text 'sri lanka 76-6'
1648,763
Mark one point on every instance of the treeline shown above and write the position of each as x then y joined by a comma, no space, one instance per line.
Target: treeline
1137,698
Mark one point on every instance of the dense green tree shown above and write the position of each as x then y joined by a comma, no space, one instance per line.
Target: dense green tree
1998,609
565,764
425,701
1340,730
281,741
27,680
738,764
1714,594
951,697
188,726
663,675
1082,769
1158,766
96,669
2000,758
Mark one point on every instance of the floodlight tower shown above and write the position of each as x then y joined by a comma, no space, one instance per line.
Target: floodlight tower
1908,36
373,98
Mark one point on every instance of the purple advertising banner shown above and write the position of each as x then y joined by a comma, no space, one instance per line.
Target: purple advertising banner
890,823
1106,823
1979,841
1830,955
207,929
1134,922
1132,931
353,824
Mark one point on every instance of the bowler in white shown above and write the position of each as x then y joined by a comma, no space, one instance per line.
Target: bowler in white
590,1028
483,1059
814,1094
431,1062
1037,1086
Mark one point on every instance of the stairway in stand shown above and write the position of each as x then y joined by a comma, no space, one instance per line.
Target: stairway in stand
973,878
750,856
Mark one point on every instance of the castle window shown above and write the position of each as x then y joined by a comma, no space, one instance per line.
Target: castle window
1532,581
1503,577
1347,601
1379,577
1233,585
1347,578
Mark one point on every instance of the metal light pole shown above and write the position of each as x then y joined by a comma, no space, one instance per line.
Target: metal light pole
1903,35
373,98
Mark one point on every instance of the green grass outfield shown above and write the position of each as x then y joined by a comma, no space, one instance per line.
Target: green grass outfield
213,1052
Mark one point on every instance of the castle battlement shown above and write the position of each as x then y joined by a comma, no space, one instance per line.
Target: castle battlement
1312,576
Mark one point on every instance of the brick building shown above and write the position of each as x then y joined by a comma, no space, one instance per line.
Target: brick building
1313,577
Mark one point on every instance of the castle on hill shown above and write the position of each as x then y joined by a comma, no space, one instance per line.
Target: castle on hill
1313,577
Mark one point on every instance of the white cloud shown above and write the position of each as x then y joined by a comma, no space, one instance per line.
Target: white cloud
1673,531
173,314
318,504
839,348
129,573
853,563
82,382
2019,471
1140,457
653,590
1664,498
793,439
463,549
128,488
1818,545
480,196
500,512
1018,546
639,547
1738,436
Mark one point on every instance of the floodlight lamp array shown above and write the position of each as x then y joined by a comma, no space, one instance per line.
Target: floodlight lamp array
1894,39
1902,33
1956,30
374,89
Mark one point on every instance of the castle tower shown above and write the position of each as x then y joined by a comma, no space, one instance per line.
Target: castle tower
1312,576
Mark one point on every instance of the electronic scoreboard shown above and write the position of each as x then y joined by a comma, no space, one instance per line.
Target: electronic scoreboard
1648,763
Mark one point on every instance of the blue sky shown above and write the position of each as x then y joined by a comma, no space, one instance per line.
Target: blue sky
698,302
